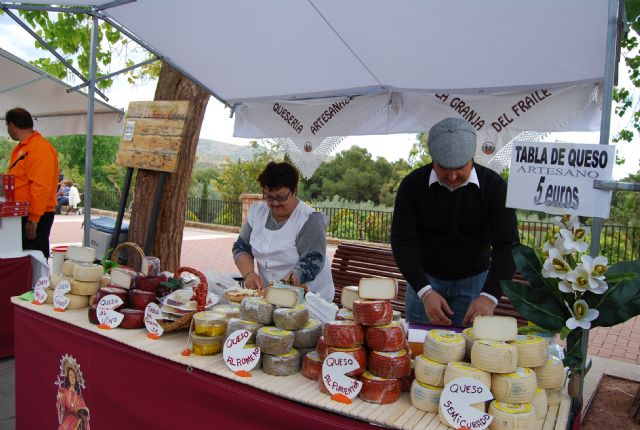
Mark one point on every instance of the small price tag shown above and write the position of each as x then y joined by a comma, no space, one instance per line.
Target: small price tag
238,358
39,294
456,400
151,314
60,300
334,370
107,316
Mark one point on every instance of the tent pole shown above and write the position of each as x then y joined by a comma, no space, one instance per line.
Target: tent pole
88,158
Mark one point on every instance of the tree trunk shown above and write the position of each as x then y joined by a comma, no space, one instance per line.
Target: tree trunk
167,245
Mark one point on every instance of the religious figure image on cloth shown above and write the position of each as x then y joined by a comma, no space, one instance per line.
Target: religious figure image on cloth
73,414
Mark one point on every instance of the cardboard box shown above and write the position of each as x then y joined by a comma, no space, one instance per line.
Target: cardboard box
7,188
10,234
101,241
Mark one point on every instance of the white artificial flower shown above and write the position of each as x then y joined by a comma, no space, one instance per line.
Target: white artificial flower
555,266
574,239
566,221
581,315
555,242
596,268
579,278
565,287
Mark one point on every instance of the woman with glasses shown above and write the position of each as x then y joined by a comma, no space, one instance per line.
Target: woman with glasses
284,236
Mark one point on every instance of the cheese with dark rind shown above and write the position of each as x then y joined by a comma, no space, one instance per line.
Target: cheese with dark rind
307,337
378,288
312,365
444,346
390,365
360,355
234,324
93,314
274,341
281,365
256,309
348,295
343,334
388,337
115,290
372,312
379,390
291,318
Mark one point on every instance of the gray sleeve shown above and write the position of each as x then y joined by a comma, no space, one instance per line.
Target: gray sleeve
242,246
311,244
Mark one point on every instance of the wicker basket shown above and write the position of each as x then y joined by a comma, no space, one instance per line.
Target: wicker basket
184,322
116,251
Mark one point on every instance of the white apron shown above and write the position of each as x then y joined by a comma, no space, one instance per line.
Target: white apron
275,250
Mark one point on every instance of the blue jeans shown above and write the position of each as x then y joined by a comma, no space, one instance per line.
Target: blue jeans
459,293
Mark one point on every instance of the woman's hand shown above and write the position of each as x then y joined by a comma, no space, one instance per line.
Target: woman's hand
253,282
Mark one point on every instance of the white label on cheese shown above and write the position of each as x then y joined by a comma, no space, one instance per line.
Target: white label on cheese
320,309
456,400
236,356
60,301
39,294
106,313
334,368
151,314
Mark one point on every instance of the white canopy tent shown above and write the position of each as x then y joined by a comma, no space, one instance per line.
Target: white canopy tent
55,112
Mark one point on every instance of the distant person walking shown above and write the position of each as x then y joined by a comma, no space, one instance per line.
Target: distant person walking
34,163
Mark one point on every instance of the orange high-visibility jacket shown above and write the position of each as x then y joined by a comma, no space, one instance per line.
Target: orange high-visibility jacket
34,163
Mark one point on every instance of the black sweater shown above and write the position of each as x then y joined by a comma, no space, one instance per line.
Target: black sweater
454,234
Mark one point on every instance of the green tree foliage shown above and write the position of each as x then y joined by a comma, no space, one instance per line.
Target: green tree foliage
6,146
419,153
625,206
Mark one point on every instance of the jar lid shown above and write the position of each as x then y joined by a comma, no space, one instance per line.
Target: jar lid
209,317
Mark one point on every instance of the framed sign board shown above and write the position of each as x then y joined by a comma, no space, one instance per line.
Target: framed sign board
153,135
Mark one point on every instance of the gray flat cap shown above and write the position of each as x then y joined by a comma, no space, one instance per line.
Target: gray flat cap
452,142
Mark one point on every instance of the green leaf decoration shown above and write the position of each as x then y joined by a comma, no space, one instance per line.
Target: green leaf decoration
621,302
536,305
173,284
573,352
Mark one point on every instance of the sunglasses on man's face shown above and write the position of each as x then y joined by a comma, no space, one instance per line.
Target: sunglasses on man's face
279,199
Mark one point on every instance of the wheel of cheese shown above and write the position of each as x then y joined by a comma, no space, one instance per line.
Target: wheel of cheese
358,353
511,416
105,280
87,272
229,310
467,334
478,406
321,348
533,351
82,288
460,369
77,302
252,346
517,387
540,403
493,356
554,396
123,276
112,289
312,365
397,316
444,346
343,334
82,254
345,314
291,318
348,296
321,386
425,397
406,381
133,318
49,299
281,365
390,365
93,314
274,341
378,288
388,337
379,390
551,375
56,278
429,372
67,268
234,324
495,328
307,337
256,309
372,312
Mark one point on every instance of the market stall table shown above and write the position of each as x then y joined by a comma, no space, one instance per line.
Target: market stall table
135,382
15,278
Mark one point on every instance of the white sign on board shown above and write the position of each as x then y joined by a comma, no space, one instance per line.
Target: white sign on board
457,399
557,178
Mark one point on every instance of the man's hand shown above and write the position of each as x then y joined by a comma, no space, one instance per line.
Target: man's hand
479,307
30,230
253,281
437,309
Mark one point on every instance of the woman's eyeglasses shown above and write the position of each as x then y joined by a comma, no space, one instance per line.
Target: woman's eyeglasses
279,199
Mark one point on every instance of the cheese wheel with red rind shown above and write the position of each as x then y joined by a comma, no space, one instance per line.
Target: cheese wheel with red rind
379,390
133,318
281,365
307,337
312,365
343,334
360,355
291,318
372,312
406,381
93,316
321,386
274,341
388,337
321,348
390,365
87,272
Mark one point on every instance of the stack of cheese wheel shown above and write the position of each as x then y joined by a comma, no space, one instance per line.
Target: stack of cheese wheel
551,377
82,274
279,357
389,360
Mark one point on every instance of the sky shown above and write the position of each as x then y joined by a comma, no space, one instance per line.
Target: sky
218,125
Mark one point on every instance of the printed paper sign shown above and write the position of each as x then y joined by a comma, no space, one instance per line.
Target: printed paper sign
60,301
236,356
151,314
334,369
320,309
557,178
456,400
39,294
107,316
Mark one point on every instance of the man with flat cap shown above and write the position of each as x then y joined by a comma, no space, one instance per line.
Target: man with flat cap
452,234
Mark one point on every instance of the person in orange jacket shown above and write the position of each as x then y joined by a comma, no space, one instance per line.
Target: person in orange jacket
34,163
